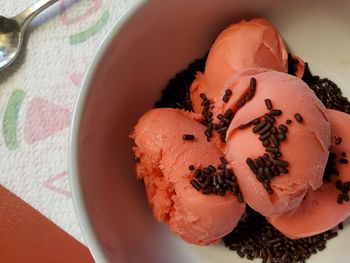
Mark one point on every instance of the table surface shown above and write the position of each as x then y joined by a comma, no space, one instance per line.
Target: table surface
37,95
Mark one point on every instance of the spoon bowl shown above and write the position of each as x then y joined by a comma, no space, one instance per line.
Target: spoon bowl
12,31
10,41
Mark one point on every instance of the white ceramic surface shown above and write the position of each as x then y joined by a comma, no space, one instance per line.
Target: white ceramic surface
148,45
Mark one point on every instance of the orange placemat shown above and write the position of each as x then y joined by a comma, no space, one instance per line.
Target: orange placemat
27,236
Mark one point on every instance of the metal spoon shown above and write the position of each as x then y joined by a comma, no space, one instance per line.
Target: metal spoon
12,31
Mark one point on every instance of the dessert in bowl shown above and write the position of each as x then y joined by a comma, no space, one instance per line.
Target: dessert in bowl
147,47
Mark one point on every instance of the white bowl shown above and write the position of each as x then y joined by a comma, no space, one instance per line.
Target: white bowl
150,43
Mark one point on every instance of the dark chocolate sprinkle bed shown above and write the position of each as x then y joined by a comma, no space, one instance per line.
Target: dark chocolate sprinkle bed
327,91
331,169
256,238
177,93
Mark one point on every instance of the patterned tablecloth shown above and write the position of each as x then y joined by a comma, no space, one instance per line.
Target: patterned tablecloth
37,95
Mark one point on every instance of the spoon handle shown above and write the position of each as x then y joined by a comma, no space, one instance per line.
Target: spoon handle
24,18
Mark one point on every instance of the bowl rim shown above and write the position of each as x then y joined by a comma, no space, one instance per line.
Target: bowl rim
79,204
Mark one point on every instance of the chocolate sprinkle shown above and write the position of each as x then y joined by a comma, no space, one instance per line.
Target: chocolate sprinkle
221,167
246,125
227,95
212,168
223,160
344,161
265,136
251,166
207,171
268,104
228,92
256,121
266,143
198,173
275,140
252,85
281,136
274,130
275,112
195,184
298,117
340,199
207,190
269,118
338,140
188,137
272,149
259,126
265,129
283,128
240,103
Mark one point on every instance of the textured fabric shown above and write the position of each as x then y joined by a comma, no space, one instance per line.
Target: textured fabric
37,95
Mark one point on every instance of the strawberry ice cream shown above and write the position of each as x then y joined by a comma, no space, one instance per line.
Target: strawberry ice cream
319,211
164,160
305,149
257,135
248,44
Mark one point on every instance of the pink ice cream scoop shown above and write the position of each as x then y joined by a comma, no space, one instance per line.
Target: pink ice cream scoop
319,211
305,147
164,163
248,44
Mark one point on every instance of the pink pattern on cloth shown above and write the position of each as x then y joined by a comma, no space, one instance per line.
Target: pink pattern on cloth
49,184
96,5
44,119
76,78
